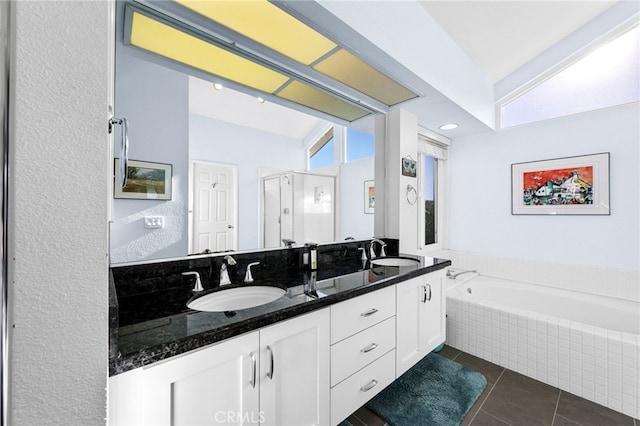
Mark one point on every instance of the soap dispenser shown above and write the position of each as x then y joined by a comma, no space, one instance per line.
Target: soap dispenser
313,256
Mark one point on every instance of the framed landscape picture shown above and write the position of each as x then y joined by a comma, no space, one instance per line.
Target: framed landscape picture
570,186
145,181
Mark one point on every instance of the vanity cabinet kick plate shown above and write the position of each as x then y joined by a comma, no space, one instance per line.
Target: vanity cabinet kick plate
151,222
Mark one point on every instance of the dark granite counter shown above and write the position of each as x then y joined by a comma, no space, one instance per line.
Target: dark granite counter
144,338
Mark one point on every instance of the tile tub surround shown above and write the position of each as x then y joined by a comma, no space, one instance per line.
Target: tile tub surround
597,279
155,323
597,364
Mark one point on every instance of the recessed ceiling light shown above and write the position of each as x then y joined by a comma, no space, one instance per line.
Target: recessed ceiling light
261,100
217,86
449,126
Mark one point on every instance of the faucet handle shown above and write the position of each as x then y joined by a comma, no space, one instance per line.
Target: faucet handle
198,283
248,278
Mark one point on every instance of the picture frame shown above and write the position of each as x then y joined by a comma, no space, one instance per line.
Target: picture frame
409,166
369,197
145,181
562,186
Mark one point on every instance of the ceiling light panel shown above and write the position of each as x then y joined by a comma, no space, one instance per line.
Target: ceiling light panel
311,97
267,24
357,74
159,38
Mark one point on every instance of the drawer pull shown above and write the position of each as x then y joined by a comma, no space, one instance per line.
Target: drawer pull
369,386
369,312
369,348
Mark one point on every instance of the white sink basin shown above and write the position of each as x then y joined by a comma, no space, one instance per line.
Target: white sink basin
236,298
394,261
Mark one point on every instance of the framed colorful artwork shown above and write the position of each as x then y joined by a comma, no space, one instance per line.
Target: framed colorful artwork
570,186
369,197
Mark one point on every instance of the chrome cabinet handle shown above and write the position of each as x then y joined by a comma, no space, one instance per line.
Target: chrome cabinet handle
369,312
369,385
426,293
253,369
270,372
369,348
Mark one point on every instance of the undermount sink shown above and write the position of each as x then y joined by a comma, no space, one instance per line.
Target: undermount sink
236,298
394,261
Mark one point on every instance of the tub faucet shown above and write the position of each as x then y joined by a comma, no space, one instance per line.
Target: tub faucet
453,276
288,243
372,250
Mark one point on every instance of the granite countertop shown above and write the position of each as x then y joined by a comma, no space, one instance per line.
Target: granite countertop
149,341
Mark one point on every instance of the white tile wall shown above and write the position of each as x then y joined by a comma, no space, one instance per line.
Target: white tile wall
594,280
597,364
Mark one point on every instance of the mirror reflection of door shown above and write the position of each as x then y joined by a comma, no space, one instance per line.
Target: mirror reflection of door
215,216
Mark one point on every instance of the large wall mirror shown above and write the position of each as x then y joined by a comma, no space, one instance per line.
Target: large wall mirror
240,175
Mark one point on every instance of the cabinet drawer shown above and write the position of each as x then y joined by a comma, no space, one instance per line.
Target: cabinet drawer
355,391
351,316
353,353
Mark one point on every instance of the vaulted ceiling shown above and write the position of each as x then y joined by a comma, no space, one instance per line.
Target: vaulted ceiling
498,36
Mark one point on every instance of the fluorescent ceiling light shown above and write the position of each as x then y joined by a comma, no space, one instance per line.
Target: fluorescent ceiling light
309,96
157,37
267,24
357,74
189,47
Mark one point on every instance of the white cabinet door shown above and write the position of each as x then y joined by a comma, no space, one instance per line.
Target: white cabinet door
294,371
217,385
434,319
420,318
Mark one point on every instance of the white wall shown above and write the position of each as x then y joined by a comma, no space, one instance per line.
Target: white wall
480,171
354,222
155,101
250,149
58,267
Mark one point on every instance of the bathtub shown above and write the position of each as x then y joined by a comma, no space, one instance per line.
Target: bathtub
584,344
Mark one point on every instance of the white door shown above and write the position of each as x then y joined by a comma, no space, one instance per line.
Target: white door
294,371
212,386
215,195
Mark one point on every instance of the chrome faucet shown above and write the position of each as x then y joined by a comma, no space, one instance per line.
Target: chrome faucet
453,276
224,269
372,251
288,243
248,278
198,283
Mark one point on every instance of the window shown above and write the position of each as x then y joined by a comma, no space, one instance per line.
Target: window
321,152
433,156
430,190
606,77
359,145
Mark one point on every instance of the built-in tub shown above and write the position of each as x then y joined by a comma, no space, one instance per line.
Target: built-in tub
584,344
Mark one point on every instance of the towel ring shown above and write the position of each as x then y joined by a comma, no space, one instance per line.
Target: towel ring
412,195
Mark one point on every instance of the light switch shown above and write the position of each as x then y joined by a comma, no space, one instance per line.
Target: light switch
152,222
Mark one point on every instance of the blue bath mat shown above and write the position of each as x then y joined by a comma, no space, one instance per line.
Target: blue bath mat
436,391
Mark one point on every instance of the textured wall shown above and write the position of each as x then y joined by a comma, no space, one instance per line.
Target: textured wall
58,214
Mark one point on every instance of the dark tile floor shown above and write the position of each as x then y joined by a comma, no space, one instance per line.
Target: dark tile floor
511,399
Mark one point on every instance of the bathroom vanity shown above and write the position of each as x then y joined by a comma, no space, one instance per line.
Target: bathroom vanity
311,357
